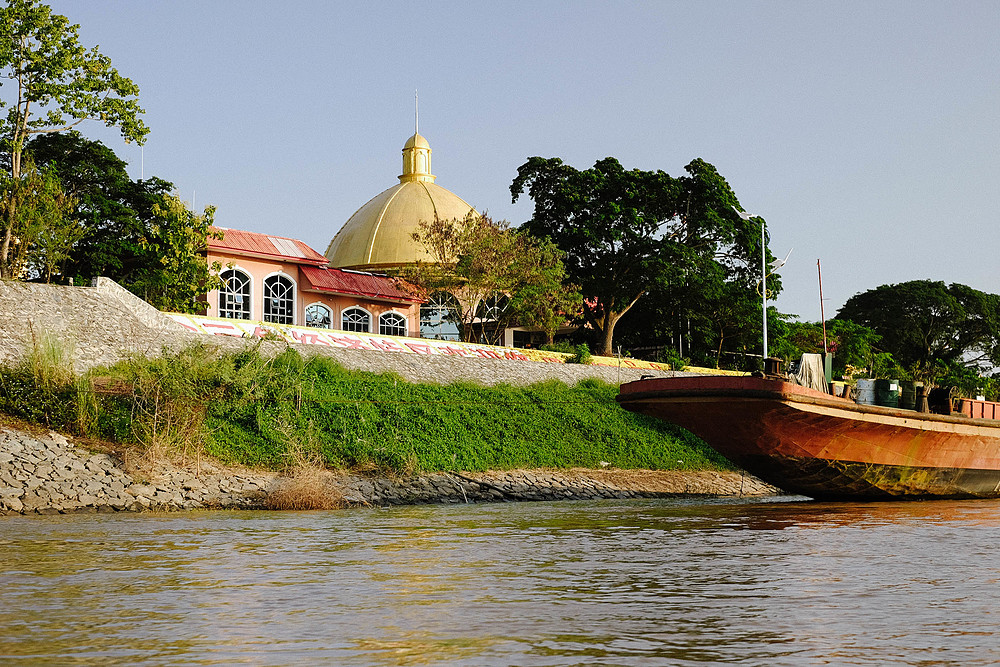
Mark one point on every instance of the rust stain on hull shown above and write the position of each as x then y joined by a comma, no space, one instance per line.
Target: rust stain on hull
810,443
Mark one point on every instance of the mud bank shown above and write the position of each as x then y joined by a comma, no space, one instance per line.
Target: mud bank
44,473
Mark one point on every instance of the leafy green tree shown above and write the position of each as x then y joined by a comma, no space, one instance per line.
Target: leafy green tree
928,325
133,232
56,85
626,233
726,312
855,347
494,270
53,246
543,299
41,231
114,211
179,276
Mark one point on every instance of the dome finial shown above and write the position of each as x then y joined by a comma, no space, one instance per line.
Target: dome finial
416,152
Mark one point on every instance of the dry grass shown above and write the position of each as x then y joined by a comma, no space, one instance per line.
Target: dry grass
306,488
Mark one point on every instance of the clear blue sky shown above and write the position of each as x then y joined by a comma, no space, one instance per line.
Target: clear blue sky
866,133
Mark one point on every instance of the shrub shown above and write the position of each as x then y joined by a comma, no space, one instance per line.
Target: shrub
581,355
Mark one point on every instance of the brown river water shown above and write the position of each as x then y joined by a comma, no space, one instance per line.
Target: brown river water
778,581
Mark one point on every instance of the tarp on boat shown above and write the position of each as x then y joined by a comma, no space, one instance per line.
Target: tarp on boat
810,372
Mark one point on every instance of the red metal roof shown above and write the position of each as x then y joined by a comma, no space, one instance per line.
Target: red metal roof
357,283
240,242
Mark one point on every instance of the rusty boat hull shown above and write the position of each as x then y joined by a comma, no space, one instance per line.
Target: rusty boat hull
810,443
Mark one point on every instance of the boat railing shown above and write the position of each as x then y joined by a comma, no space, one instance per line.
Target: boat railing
979,409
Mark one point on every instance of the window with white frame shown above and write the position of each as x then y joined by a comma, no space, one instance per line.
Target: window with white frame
440,317
234,295
318,315
492,308
356,319
391,324
279,300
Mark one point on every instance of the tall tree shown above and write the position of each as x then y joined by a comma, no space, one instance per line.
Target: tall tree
56,84
624,231
487,265
114,211
855,347
544,299
133,232
42,231
926,323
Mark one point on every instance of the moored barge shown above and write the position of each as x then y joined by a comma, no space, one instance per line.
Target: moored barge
808,442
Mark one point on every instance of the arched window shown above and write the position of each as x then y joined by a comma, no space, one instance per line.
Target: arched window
391,324
439,317
492,308
356,319
318,315
279,300
234,295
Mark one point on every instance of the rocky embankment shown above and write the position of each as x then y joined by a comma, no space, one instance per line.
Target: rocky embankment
573,484
47,474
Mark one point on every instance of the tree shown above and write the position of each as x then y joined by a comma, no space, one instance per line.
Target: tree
724,310
57,84
133,232
544,300
179,276
624,232
114,211
927,324
53,245
41,231
488,265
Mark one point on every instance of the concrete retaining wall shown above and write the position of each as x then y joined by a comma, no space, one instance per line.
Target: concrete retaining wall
105,323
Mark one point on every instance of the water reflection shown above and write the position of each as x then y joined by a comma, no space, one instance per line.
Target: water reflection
611,583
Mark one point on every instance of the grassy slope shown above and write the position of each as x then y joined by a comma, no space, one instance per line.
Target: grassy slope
263,412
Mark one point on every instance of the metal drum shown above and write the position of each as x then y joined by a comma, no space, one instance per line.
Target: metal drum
864,392
887,393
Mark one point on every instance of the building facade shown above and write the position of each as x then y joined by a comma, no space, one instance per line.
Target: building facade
279,280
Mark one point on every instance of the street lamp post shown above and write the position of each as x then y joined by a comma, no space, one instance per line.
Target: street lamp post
763,284
763,274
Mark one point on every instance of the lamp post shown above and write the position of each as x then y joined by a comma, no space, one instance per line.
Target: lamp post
763,274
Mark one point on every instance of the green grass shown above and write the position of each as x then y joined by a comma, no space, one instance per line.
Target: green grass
248,409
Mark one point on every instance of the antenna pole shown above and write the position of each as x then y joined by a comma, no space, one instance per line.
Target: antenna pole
763,285
416,113
819,270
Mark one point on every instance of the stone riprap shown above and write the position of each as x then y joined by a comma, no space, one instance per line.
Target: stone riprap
537,485
47,474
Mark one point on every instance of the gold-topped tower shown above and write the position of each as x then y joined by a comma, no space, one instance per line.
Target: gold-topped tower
380,234
417,160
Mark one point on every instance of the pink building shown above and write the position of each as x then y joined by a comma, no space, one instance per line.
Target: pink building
281,280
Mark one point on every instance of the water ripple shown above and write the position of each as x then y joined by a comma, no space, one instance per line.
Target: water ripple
680,582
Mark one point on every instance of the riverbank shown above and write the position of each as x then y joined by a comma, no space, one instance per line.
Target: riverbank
47,473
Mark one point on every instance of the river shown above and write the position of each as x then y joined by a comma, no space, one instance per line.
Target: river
777,581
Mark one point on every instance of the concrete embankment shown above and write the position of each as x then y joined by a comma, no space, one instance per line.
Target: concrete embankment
47,474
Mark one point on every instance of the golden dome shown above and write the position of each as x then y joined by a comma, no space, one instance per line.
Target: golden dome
379,234
416,141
